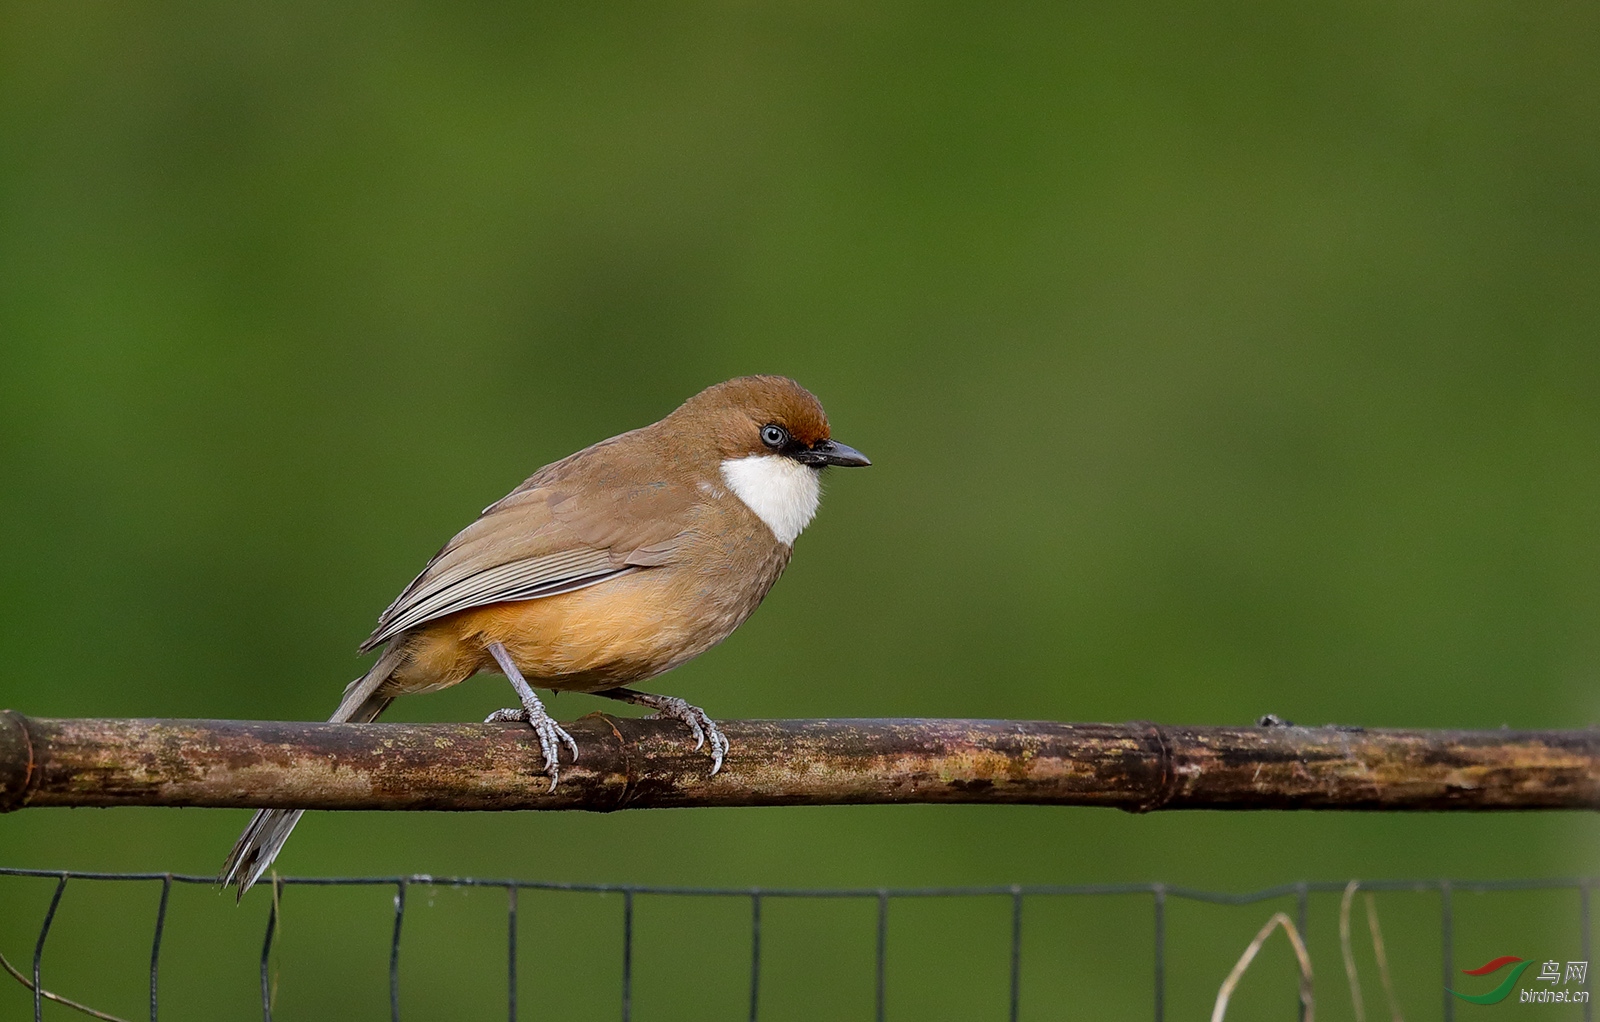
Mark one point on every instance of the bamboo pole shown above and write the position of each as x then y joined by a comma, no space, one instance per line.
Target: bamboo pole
628,763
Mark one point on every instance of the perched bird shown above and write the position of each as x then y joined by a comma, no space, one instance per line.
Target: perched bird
603,569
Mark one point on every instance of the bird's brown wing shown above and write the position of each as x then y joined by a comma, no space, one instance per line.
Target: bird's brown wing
573,524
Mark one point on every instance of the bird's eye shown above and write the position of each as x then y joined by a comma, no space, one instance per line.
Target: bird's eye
774,436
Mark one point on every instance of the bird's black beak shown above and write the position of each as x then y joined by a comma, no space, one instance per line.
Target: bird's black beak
831,452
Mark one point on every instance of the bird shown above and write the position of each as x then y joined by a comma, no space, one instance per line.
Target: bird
601,570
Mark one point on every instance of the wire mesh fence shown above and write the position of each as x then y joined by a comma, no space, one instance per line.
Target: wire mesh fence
1017,897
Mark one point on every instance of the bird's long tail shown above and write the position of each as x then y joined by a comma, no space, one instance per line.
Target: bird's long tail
270,828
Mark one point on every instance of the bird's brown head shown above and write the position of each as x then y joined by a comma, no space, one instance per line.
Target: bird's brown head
771,440
765,415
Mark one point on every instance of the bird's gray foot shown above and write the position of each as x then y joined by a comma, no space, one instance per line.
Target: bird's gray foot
551,735
700,724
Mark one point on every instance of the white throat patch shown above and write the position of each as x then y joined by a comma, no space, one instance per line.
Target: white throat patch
782,492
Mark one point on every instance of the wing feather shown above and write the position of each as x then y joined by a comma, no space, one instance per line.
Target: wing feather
551,535
529,579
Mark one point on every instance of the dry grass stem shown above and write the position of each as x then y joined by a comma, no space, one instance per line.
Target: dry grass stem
1220,1009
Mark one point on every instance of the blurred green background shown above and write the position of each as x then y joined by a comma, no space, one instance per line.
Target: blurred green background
1214,360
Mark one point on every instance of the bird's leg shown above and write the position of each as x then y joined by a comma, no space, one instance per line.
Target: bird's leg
672,708
551,734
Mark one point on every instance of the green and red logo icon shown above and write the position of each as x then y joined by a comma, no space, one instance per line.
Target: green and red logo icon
1502,991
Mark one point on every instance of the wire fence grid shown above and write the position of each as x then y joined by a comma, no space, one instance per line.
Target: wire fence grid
1160,895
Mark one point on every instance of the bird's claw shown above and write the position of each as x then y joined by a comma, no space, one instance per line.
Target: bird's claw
700,725
550,734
